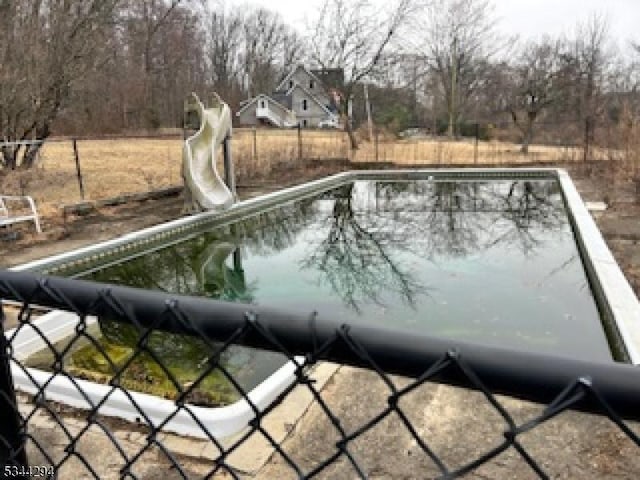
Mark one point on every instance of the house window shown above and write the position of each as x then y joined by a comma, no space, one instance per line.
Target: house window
304,104
304,123
262,104
290,83
311,84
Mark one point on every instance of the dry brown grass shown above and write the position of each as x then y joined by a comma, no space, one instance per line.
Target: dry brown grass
112,167
109,168
443,152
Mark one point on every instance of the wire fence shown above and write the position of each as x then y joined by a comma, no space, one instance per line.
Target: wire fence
609,390
72,170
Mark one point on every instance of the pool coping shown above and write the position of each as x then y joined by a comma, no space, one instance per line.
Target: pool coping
608,283
613,292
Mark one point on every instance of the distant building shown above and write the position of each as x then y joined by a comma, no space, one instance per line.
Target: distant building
301,98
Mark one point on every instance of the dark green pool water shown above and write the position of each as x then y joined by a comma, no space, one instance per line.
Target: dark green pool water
492,262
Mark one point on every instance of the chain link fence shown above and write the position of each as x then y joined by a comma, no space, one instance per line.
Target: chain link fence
611,391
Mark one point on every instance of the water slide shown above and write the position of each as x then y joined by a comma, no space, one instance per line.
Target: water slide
204,189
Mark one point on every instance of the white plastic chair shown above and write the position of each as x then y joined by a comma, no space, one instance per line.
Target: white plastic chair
8,218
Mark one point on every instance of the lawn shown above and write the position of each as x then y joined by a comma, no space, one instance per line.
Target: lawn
115,166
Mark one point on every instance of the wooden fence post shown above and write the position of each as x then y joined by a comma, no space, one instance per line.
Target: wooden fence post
475,148
587,138
376,145
78,171
255,145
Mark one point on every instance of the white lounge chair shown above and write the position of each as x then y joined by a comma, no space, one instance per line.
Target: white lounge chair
7,217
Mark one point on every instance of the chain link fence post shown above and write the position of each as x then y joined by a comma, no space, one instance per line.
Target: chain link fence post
12,445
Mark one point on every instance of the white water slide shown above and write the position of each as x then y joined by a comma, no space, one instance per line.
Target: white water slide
204,189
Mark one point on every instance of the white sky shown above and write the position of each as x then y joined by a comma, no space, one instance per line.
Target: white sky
528,18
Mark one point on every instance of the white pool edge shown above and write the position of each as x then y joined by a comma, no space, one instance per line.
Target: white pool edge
618,293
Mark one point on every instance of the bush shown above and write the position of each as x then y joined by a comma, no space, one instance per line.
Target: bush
466,129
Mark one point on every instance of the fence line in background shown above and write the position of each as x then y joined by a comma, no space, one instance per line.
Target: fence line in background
103,167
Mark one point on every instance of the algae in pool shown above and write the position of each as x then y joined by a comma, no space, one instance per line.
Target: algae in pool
107,349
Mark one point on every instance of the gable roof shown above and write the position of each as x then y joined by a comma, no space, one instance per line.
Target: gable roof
311,95
255,99
290,74
330,77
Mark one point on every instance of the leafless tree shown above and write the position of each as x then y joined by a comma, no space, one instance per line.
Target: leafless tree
587,61
459,40
352,36
224,43
248,49
46,46
148,22
535,83
270,46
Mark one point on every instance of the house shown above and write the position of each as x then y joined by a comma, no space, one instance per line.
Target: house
301,98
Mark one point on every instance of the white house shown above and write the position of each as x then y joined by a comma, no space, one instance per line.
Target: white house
301,98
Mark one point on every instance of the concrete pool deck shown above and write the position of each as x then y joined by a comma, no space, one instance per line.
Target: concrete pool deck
580,446
457,424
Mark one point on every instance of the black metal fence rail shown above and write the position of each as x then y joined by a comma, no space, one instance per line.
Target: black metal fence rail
611,390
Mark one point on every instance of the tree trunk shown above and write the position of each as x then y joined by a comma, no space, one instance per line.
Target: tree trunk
527,138
30,156
350,133
9,157
450,127
526,130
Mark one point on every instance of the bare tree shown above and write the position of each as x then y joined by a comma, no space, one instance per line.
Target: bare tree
352,36
459,41
224,44
45,47
247,49
589,60
146,21
536,83
270,46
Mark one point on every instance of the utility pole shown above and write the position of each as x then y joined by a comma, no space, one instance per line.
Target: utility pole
368,106
454,82
247,84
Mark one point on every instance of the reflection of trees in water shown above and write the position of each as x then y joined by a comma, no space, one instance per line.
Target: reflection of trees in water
210,265
363,227
529,210
372,223
356,259
453,219
276,229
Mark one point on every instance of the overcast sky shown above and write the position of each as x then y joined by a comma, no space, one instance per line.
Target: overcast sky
528,18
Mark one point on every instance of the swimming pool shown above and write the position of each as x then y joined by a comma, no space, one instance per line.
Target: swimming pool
500,257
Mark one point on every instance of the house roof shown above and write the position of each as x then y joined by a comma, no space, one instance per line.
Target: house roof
282,99
266,97
330,77
311,95
279,88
